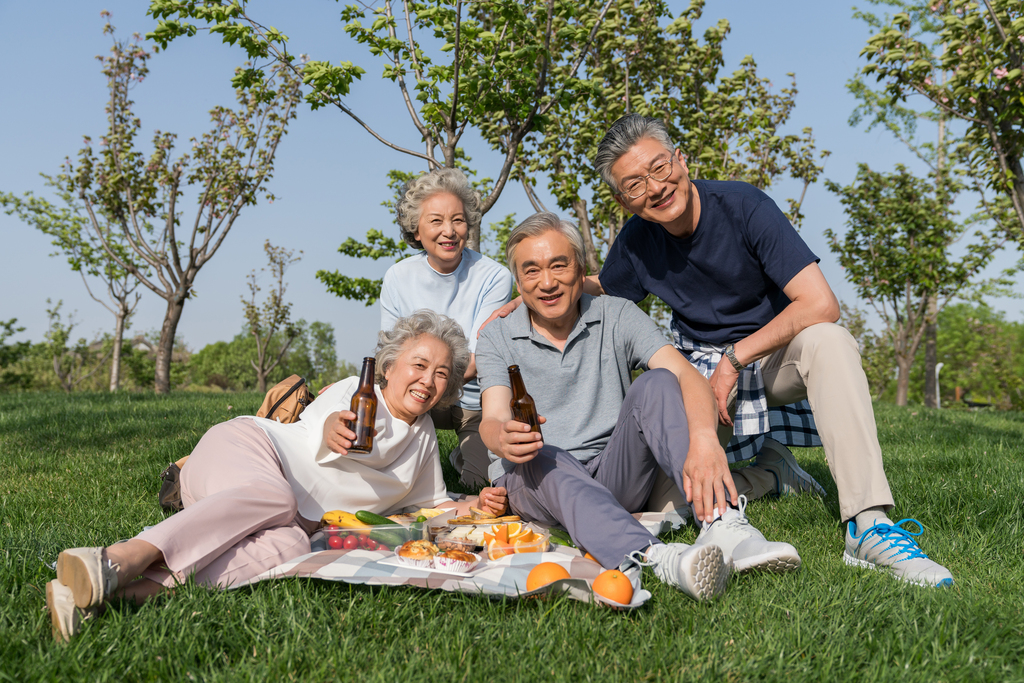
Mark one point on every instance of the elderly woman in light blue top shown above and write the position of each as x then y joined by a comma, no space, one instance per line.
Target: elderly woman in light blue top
436,212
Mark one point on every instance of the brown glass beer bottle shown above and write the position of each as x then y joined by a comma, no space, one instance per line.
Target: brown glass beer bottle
364,405
522,405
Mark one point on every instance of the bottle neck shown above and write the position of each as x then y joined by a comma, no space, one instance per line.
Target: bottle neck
518,388
366,377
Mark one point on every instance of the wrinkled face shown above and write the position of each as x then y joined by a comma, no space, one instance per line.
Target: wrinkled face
666,201
418,379
442,230
550,280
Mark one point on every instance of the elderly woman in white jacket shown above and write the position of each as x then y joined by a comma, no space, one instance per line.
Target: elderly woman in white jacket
254,489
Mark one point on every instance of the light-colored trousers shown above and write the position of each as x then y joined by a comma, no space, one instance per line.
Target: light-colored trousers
471,458
240,515
821,364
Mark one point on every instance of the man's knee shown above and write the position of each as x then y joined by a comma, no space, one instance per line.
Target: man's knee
657,380
827,340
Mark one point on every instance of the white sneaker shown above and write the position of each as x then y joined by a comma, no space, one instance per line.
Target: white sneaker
746,547
65,618
790,479
699,571
890,547
91,578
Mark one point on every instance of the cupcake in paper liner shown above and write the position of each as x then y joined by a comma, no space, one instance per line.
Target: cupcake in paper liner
456,560
417,553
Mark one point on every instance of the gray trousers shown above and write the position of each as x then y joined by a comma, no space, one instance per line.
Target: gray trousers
594,500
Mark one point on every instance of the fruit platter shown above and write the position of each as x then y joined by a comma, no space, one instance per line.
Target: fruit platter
495,541
365,530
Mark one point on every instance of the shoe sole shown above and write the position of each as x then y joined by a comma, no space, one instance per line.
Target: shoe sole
705,573
778,562
57,626
864,564
73,572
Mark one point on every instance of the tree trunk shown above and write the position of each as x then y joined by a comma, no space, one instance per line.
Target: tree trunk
115,363
579,207
165,349
473,239
931,358
903,380
261,382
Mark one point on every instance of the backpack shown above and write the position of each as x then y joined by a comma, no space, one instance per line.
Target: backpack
284,402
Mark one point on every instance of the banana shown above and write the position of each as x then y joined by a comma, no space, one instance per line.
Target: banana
429,513
346,520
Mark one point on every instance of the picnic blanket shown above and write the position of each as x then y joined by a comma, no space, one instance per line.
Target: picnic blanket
495,579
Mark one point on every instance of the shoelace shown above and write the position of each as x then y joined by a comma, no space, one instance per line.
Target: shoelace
897,538
735,521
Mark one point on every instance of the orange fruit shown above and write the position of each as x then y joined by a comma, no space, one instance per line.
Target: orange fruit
514,529
613,585
545,573
496,549
528,543
590,557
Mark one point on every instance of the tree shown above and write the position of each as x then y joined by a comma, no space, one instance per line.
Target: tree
728,125
131,198
896,252
274,316
70,233
980,46
11,354
70,364
876,353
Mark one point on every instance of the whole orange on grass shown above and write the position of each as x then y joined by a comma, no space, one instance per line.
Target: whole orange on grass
545,573
614,585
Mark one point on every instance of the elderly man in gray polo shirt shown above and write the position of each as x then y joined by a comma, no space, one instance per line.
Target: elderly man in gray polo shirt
604,438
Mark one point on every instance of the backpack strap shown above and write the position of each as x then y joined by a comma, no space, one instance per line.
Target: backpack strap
294,387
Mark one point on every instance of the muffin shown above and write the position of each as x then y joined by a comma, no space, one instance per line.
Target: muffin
417,553
456,560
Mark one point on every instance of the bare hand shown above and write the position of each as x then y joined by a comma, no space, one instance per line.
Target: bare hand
723,382
494,499
502,312
706,477
518,443
338,437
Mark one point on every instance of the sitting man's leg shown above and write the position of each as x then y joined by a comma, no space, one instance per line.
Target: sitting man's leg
652,432
554,488
822,363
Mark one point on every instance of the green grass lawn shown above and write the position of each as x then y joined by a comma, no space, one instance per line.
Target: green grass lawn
82,470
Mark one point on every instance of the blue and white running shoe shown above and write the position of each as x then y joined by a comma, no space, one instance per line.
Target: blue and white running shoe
891,547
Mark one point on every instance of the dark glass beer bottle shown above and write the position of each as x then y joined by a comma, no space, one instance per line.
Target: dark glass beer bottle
522,405
364,405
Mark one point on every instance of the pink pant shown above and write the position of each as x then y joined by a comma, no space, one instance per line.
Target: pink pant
240,515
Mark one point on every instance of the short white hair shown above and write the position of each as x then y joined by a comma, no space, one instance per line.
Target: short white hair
391,344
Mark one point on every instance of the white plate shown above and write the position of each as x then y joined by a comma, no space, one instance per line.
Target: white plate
393,561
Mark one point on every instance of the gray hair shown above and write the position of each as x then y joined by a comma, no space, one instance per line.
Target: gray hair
391,344
538,224
620,138
418,190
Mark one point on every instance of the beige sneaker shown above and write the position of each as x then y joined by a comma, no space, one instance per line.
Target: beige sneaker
91,578
65,618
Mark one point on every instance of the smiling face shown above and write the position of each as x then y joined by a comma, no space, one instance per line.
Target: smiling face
442,230
417,379
669,202
550,280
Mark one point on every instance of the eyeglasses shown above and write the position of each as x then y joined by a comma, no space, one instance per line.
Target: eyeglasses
637,187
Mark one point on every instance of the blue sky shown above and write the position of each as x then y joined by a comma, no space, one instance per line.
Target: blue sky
330,174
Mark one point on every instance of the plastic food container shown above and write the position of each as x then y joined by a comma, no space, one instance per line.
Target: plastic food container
380,537
497,540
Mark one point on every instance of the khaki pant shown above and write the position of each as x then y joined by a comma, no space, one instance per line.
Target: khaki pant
821,364
470,457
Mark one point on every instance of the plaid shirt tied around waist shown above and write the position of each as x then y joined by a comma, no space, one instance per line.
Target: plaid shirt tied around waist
790,425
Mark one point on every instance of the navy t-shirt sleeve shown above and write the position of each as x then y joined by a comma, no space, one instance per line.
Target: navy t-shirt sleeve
776,244
618,276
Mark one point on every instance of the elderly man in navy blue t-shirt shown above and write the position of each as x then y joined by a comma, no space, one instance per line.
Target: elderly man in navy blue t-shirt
744,286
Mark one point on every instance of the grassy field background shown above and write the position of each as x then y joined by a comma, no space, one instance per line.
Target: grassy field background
83,470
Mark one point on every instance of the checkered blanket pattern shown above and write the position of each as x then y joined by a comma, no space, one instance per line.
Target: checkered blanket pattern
501,578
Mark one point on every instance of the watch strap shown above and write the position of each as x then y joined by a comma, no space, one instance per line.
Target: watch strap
730,353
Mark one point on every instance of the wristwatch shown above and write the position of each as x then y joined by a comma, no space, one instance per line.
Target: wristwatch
730,353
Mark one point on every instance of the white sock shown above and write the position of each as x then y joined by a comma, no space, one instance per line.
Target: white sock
870,517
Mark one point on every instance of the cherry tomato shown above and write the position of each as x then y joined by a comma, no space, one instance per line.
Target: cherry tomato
351,542
371,544
331,527
381,546
335,542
